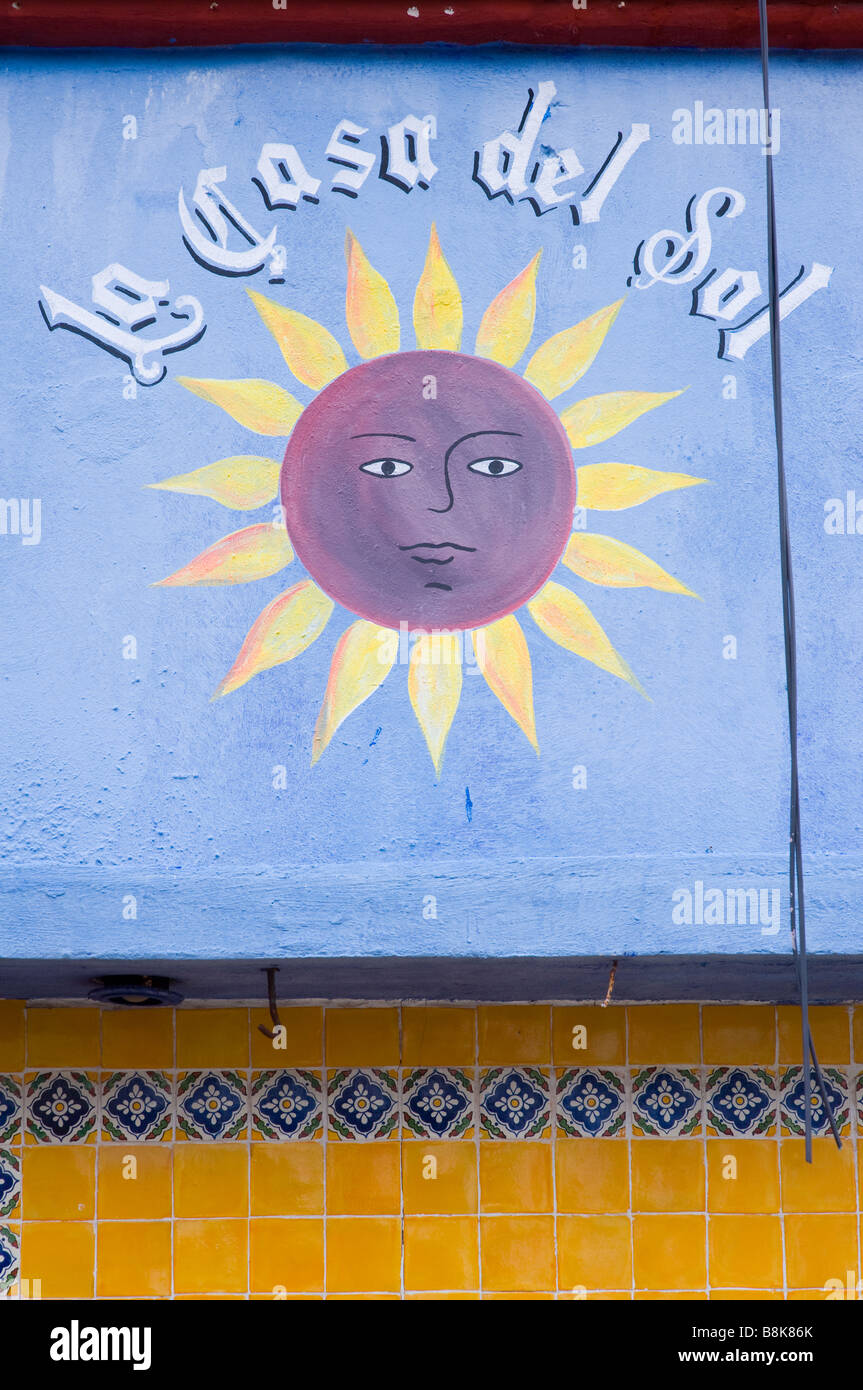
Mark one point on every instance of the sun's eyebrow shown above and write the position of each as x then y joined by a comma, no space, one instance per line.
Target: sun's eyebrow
476,434
384,434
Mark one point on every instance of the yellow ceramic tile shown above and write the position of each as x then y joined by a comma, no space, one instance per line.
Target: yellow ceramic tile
62,1038
745,1250
509,1033
742,1175
286,1255
11,1035
591,1176
667,1175
362,1037
438,1178
515,1177
210,1256
818,1248
517,1297
441,1252
828,1183
287,1179
363,1298
433,1037
212,1038
364,1254
303,1038
517,1253
133,1259
60,1253
134,1182
58,1182
809,1295
857,1033
664,1033
831,1033
670,1252
363,1179
133,1038
594,1252
211,1180
444,1296
670,1296
587,1033
739,1034
746,1295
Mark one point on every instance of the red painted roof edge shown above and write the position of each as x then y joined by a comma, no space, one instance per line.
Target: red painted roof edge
804,24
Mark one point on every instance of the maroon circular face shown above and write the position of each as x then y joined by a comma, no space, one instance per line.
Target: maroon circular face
429,488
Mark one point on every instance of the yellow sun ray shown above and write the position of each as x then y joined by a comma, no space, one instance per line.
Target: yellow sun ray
242,483
371,312
434,686
564,358
437,303
507,323
310,350
363,658
256,552
502,656
258,405
563,617
604,560
286,627
612,487
597,418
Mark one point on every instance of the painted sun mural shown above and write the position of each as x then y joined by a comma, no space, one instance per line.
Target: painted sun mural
426,490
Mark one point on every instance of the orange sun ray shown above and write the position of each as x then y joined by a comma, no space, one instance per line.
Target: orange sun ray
310,350
373,319
284,629
437,303
563,617
563,359
502,656
507,323
434,686
258,405
256,552
604,560
363,658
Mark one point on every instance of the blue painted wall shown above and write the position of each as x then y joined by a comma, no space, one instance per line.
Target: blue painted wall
121,778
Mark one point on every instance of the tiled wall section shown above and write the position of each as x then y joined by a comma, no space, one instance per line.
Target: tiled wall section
519,1151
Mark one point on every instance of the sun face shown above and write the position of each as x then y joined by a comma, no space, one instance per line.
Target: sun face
428,490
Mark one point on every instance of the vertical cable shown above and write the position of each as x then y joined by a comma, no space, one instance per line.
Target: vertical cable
795,859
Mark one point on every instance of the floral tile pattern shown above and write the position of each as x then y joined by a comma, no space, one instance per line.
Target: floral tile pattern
212,1105
666,1102
286,1104
437,1103
136,1105
10,1110
362,1103
793,1103
10,1181
9,1257
61,1107
741,1101
591,1102
515,1103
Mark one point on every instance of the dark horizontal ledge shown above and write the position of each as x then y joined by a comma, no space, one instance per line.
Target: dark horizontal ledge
802,24
639,979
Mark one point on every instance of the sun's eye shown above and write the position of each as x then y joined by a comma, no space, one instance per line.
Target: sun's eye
386,468
494,468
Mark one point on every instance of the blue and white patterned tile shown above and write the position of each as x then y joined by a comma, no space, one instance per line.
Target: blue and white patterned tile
10,1110
212,1105
362,1103
794,1107
666,1102
438,1103
286,1104
515,1102
61,1107
741,1101
591,1102
136,1105
10,1182
10,1257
